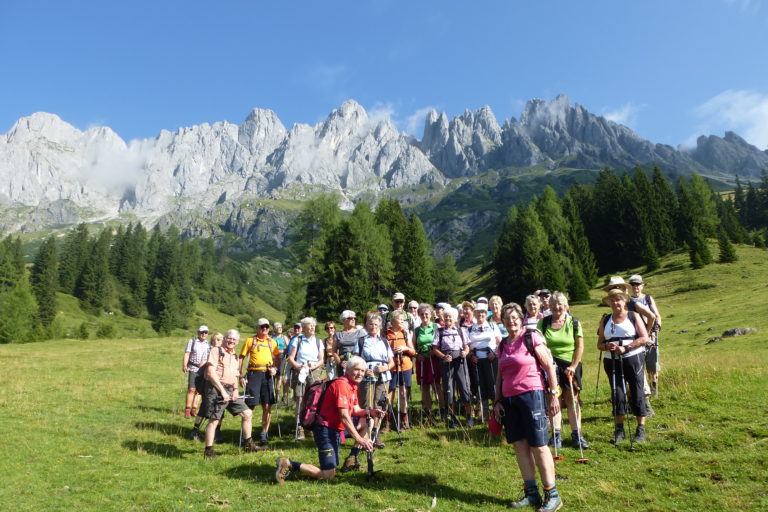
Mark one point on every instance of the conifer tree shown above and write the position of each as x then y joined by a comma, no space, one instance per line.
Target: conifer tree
727,252
92,286
73,255
447,279
414,272
44,278
663,205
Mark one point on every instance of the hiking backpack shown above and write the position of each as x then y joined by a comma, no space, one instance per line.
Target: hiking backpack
311,402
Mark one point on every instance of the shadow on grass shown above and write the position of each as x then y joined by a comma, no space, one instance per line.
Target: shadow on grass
417,484
168,451
164,410
166,428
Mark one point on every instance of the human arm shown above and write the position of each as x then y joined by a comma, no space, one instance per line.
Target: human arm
577,353
292,358
185,362
648,315
498,407
346,420
542,354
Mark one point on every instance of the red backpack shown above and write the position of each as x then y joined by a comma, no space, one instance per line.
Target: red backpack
311,402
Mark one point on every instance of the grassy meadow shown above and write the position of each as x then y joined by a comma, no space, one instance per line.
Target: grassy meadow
97,425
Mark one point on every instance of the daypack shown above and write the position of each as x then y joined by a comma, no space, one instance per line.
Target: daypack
311,402
604,321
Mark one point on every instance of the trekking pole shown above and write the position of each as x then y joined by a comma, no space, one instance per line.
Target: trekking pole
396,413
299,386
421,388
614,408
274,408
577,412
479,391
597,383
181,398
556,458
627,411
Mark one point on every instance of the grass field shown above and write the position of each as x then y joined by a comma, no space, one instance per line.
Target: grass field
96,425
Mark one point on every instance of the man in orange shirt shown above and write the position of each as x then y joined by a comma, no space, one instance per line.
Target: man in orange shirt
259,382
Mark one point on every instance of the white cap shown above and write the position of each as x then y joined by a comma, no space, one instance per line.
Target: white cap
347,313
202,328
398,296
482,299
481,307
262,321
383,306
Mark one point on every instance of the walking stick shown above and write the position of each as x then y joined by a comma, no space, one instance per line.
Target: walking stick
556,458
597,383
396,413
577,412
627,411
479,390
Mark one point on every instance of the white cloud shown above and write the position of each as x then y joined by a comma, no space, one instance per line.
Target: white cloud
414,123
381,111
741,111
626,115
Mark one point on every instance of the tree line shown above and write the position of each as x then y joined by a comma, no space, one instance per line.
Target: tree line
156,275
622,221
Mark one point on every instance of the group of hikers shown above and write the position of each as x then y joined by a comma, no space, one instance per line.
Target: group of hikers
481,362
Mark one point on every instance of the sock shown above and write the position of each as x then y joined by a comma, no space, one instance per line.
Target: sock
263,436
354,451
209,447
551,489
530,485
295,466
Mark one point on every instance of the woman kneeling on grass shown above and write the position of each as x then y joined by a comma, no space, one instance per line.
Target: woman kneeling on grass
522,402
339,405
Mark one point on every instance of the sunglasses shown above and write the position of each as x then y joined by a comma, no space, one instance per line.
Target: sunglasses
263,327
203,332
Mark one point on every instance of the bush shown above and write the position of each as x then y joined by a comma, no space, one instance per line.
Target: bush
82,331
694,286
105,330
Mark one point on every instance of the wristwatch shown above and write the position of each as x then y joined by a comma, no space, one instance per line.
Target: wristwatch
552,392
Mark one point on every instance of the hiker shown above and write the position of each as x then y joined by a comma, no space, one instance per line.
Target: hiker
216,340
483,338
565,339
494,314
428,365
652,366
330,365
379,357
523,400
544,297
532,311
195,355
398,304
259,381
413,316
338,406
306,360
622,337
282,343
617,283
450,346
402,348
222,394
345,340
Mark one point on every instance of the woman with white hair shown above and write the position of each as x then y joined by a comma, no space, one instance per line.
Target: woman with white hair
306,359
451,346
344,340
484,337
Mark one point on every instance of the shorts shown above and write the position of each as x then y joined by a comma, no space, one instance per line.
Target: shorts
401,379
328,441
652,359
214,406
427,369
380,388
525,417
261,387
562,379
313,376
193,377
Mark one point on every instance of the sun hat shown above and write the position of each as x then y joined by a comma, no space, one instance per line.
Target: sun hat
613,292
616,282
262,321
398,296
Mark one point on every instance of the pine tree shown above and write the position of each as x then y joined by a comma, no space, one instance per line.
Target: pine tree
663,205
73,256
44,278
414,272
447,279
727,252
93,285
576,199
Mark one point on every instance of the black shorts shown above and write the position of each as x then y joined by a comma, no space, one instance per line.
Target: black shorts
260,386
403,378
195,378
328,441
214,406
562,378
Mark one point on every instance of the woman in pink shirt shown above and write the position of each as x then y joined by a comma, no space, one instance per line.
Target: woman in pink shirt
522,402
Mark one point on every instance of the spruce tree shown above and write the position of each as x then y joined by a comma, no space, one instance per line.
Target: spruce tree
727,252
447,279
663,205
44,278
93,285
73,255
414,273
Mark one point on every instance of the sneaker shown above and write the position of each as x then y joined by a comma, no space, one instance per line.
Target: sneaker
470,422
300,434
531,498
648,409
579,441
187,412
350,464
556,440
194,434
209,453
618,434
639,434
283,469
551,503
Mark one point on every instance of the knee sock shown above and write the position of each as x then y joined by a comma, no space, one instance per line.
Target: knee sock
551,489
354,451
295,466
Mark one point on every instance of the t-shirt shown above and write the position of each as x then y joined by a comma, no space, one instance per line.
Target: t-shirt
519,370
261,355
226,365
529,322
307,349
562,342
341,393
281,342
347,342
424,338
198,352
376,352
397,339
482,338
450,340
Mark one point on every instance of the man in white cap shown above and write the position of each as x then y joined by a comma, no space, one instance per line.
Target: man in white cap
195,356
263,361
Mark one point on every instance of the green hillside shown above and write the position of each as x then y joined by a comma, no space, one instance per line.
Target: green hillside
98,426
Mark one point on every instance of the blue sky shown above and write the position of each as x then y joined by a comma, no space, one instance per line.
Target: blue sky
669,69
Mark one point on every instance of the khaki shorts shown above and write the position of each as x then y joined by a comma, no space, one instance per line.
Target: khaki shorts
214,406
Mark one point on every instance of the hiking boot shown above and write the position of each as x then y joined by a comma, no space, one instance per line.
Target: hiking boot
556,440
618,434
648,409
470,422
350,464
300,434
453,423
194,435
187,412
639,434
283,469
209,453
378,444
249,447
531,498
579,441
385,425
551,503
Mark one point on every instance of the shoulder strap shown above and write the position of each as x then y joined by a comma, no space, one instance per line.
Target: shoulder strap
360,343
547,322
632,317
528,336
575,326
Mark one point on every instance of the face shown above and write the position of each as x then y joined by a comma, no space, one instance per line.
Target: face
479,316
263,330
373,326
513,322
203,335
545,302
560,308
356,373
309,330
413,309
449,321
637,289
279,329
331,329
230,340
533,306
425,316
217,340
399,303
396,323
617,303
495,306
466,312
440,314
349,323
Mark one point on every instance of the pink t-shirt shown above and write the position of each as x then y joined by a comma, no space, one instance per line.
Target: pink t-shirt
519,371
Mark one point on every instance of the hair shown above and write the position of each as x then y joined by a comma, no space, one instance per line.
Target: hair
468,304
308,321
556,297
216,339
355,361
277,324
507,309
234,332
423,308
372,315
399,315
452,312
495,298
329,325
